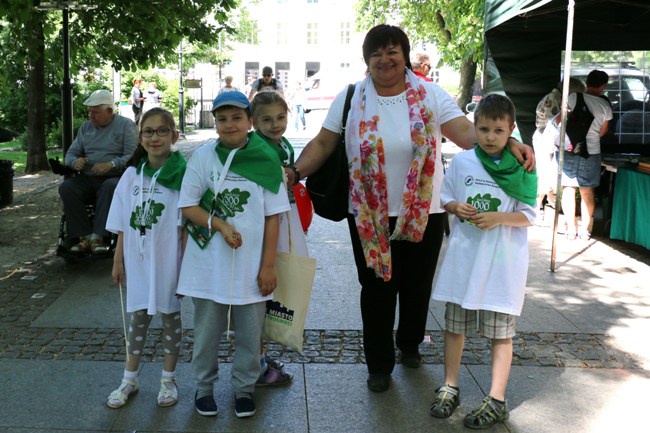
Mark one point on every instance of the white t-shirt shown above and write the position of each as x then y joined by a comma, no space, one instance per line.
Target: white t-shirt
601,111
396,135
214,273
151,277
482,269
153,98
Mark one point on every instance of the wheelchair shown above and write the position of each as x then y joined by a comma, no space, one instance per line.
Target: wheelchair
65,241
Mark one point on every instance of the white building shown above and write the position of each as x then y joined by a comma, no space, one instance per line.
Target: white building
296,38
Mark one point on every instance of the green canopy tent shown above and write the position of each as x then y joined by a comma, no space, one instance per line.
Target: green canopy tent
524,40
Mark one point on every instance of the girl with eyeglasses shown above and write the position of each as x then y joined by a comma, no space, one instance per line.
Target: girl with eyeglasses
145,216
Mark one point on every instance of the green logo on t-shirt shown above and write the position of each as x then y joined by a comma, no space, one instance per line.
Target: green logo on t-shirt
229,202
155,211
485,203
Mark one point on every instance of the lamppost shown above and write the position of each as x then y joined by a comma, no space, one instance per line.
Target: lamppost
181,114
66,86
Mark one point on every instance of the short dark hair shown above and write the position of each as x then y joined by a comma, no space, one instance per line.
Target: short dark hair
495,107
267,70
383,35
597,78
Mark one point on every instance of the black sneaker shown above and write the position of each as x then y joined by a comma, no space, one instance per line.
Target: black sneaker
378,382
206,405
244,405
489,413
411,359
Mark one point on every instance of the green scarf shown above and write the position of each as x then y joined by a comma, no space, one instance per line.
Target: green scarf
256,161
282,154
510,176
172,171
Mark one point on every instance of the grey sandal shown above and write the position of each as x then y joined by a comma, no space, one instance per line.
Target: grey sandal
447,400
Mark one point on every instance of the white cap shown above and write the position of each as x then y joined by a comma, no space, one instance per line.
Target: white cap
99,97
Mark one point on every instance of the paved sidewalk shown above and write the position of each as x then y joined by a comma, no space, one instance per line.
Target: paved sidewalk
581,361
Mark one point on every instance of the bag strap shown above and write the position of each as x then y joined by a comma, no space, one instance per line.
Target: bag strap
291,246
217,183
346,108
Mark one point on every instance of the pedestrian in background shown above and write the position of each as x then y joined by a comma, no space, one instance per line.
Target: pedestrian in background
153,97
547,108
483,273
297,101
137,99
266,84
421,66
144,214
228,87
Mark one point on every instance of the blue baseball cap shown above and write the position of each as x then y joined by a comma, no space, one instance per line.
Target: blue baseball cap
233,99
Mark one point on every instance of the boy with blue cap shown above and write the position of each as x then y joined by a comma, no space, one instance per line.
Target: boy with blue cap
232,195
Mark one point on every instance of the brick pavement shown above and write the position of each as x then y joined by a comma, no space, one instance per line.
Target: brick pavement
23,299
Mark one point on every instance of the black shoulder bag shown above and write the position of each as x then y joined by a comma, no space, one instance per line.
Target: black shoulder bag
577,126
329,187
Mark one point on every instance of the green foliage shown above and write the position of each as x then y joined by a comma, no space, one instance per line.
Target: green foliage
135,28
170,98
124,35
19,158
456,26
55,135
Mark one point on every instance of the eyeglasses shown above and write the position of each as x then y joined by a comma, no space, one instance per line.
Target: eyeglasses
427,65
163,131
267,75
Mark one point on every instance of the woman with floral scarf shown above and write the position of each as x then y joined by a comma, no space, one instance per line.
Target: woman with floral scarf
393,136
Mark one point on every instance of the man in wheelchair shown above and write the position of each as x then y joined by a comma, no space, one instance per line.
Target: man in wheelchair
98,154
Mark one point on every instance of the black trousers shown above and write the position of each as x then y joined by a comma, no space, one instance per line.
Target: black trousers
414,264
137,114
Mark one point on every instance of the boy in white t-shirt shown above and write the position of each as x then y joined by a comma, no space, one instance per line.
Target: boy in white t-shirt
231,277
483,273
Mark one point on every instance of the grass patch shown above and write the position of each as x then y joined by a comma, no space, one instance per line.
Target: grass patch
19,157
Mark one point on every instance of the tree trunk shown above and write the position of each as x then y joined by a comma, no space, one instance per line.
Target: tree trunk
467,78
36,151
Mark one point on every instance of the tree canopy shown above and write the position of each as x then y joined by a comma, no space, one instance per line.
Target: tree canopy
455,26
125,35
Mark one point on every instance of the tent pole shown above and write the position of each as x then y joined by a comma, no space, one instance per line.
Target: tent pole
565,94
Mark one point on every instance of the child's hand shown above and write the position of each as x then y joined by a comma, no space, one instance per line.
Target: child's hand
267,280
118,273
486,220
231,236
463,211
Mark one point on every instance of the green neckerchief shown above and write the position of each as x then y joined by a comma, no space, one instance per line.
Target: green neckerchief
510,175
256,161
172,171
282,154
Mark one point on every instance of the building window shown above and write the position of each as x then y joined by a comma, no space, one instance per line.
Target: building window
282,34
345,33
312,33
312,1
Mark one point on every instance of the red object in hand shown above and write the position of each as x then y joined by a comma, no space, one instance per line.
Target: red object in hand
304,205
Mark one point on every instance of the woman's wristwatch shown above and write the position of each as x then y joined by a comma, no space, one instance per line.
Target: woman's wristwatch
296,174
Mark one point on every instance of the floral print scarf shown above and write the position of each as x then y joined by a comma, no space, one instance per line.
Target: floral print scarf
368,190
